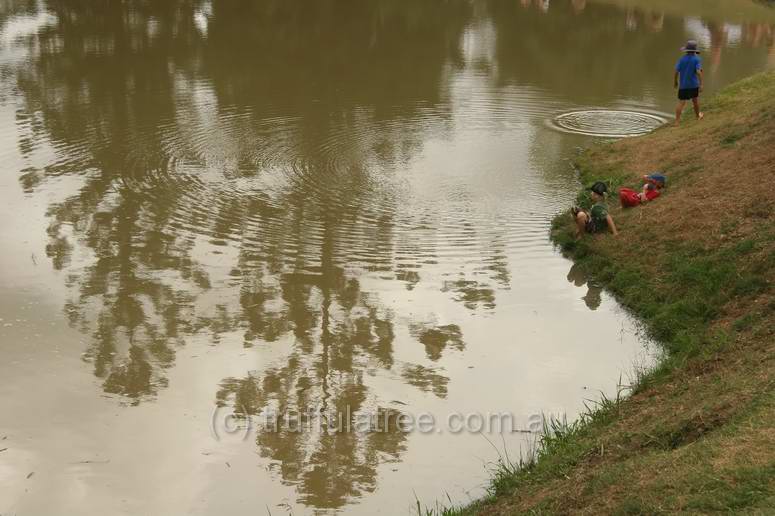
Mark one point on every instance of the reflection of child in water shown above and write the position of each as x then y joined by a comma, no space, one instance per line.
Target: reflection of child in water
593,297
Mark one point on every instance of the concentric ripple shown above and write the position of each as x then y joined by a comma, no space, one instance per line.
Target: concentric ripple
607,123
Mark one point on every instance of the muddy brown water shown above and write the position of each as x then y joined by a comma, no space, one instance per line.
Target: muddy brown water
245,243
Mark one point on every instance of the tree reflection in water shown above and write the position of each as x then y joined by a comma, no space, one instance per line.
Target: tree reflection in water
238,169
239,138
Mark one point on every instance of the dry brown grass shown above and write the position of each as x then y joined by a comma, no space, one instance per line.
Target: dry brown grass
700,438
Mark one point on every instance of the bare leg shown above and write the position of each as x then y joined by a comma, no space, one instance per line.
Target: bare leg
581,223
678,110
696,105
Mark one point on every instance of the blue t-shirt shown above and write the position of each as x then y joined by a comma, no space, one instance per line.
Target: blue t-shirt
688,67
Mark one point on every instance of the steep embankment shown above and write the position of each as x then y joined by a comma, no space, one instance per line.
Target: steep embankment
696,265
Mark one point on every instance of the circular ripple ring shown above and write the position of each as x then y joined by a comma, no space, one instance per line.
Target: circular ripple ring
608,123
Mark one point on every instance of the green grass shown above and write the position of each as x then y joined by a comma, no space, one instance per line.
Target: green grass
707,299
699,282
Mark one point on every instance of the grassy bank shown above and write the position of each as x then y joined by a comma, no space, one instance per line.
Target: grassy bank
697,435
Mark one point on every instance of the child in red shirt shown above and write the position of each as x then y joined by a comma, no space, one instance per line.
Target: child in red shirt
653,187
650,191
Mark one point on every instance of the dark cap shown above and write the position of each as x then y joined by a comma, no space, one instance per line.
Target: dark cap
600,188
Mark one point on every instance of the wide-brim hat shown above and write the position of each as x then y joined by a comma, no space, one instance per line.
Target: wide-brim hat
691,46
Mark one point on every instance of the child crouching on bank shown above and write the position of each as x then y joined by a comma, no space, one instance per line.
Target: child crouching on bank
596,219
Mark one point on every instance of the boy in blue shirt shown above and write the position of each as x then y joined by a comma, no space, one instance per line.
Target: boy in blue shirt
688,80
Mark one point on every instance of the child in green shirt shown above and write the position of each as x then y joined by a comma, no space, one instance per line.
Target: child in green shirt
597,218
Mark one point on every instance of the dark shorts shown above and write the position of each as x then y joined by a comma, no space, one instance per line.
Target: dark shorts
592,227
688,93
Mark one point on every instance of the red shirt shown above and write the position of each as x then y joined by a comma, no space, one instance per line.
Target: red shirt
652,194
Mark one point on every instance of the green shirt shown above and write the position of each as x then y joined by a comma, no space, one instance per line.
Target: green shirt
599,214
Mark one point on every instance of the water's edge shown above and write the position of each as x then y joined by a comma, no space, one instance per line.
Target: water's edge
560,444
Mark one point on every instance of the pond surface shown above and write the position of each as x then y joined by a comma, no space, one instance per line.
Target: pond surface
246,243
